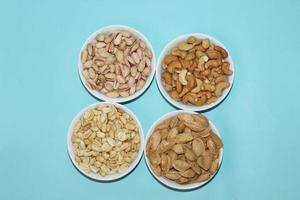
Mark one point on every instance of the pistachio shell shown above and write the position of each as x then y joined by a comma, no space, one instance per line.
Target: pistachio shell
195,126
205,160
211,145
182,180
181,165
185,117
203,177
201,119
184,137
177,148
166,145
165,163
214,166
217,140
196,168
189,154
154,158
155,140
156,170
173,175
198,146
188,173
172,133
172,155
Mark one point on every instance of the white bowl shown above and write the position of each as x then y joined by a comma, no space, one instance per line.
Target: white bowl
167,50
112,176
108,29
170,183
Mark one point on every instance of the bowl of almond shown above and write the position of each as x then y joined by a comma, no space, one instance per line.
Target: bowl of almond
116,63
105,141
183,150
194,72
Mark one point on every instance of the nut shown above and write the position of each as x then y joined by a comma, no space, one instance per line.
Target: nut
115,56
193,70
184,149
105,140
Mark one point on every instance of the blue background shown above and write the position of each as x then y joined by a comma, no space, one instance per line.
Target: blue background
40,93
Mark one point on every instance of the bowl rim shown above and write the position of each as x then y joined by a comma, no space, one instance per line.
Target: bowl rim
167,182
115,176
136,33
158,70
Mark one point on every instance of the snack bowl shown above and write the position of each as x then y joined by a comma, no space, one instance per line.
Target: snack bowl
170,183
107,30
159,69
78,119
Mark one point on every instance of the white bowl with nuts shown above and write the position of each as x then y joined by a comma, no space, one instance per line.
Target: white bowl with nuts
183,150
116,63
105,141
194,72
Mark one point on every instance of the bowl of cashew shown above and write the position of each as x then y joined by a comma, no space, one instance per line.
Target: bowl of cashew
194,72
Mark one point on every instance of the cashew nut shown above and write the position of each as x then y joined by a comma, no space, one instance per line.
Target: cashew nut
201,61
185,90
182,77
221,79
169,58
185,46
177,52
198,86
173,66
212,64
225,68
220,87
190,81
167,77
178,86
222,51
174,94
213,54
211,100
191,98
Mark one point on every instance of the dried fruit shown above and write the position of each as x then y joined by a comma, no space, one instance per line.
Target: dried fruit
196,72
102,141
181,151
112,57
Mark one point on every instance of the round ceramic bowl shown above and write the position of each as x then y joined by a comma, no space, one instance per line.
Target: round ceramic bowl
110,29
167,182
110,177
159,70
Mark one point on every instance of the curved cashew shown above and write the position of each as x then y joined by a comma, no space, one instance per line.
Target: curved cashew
182,77
170,58
214,54
201,61
220,87
191,98
167,77
221,79
184,91
177,52
222,51
173,66
212,63
174,94
191,81
178,86
211,100
198,86
226,69
185,46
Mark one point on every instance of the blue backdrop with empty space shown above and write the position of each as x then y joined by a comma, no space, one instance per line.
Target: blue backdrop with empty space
40,93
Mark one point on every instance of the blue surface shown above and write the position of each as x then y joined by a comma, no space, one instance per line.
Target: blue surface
41,93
